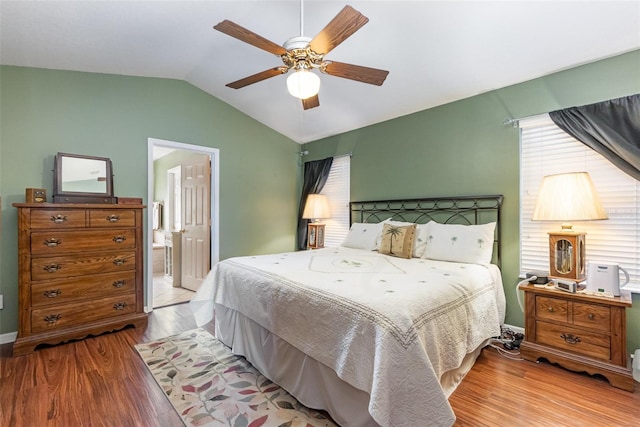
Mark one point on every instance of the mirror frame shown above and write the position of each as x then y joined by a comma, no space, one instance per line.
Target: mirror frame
57,181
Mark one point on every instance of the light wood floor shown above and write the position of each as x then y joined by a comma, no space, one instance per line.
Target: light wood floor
101,381
165,294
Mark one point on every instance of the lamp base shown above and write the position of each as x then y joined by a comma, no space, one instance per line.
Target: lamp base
567,255
315,236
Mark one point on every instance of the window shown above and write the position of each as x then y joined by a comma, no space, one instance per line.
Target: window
545,150
337,191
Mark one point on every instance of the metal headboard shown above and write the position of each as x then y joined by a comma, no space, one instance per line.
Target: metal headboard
467,210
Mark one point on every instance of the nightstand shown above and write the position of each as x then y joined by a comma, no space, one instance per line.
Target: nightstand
579,332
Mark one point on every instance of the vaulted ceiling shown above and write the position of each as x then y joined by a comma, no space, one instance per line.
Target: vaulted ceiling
435,51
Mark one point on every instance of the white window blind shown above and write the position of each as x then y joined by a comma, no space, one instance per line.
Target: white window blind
546,150
337,191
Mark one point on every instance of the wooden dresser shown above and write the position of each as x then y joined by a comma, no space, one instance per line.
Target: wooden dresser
80,271
579,332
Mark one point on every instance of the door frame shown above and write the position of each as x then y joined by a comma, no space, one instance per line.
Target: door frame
214,155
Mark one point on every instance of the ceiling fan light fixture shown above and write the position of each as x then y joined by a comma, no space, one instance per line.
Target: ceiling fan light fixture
303,84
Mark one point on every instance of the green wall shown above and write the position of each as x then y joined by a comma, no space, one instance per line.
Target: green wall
43,112
463,148
455,149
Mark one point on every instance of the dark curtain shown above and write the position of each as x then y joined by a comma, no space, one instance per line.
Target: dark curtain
315,177
612,128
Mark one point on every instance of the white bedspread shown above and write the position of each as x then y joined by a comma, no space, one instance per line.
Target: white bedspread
386,325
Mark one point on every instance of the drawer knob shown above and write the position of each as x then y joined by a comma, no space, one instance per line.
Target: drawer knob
52,293
119,239
52,242
52,319
591,316
550,309
59,219
570,338
119,261
120,305
119,283
52,268
113,218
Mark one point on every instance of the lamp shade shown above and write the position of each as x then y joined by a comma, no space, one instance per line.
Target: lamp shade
303,84
568,197
317,207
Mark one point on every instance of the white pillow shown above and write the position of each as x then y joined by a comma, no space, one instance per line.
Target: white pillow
460,243
420,240
363,236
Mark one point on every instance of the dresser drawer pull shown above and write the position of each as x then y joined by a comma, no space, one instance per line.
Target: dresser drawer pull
113,218
119,239
52,319
52,242
52,293
550,309
120,305
59,219
570,338
119,283
52,268
119,261
591,316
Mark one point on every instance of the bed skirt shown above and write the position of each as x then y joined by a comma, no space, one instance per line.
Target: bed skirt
312,383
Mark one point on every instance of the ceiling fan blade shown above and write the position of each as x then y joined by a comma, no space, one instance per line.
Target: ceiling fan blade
234,30
258,77
343,25
359,73
311,102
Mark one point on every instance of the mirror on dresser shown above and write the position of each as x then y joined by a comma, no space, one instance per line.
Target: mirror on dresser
82,179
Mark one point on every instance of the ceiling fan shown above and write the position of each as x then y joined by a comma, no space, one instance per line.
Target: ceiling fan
303,54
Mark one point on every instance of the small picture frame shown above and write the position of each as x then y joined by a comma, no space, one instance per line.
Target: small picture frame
36,195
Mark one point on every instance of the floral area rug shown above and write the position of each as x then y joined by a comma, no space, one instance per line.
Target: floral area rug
209,386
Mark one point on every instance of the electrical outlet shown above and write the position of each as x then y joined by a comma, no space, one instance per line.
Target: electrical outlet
1,302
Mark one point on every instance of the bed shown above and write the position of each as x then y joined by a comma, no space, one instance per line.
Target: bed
371,334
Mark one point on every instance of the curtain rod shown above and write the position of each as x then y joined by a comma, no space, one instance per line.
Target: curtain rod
305,152
516,122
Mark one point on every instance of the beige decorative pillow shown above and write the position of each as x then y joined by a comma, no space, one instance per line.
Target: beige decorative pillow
397,240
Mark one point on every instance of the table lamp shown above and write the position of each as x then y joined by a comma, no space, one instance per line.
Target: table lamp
316,208
568,197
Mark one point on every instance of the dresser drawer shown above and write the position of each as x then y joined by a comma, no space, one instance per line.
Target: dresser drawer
60,242
56,317
552,309
593,316
57,218
55,292
51,268
112,218
579,341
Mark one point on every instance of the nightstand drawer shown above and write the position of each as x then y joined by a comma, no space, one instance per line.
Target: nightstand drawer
575,340
552,309
592,316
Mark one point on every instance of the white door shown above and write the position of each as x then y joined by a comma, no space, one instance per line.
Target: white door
196,256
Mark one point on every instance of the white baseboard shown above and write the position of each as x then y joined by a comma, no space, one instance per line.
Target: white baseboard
515,329
8,337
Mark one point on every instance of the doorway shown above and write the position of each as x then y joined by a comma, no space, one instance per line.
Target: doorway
182,231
